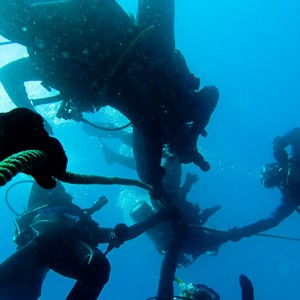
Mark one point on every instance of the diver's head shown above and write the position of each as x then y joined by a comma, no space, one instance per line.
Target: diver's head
272,175
200,292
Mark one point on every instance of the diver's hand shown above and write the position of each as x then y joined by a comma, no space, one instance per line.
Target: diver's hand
119,235
191,178
204,166
236,234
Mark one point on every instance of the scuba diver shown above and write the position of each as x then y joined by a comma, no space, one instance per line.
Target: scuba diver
22,129
200,291
181,240
196,291
172,166
284,175
142,74
198,240
53,233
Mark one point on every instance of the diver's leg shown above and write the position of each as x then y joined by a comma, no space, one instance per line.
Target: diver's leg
172,179
13,76
22,274
159,13
169,264
114,157
184,190
147,151
167,274
205,102
86,264
124,136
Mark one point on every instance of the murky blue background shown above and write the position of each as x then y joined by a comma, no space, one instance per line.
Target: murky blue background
250,51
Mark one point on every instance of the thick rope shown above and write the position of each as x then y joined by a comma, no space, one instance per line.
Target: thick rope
21,161
73,178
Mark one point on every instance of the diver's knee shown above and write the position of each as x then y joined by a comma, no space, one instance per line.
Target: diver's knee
99,269
211,92
106,271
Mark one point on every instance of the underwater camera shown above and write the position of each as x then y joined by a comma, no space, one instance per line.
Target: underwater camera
273,175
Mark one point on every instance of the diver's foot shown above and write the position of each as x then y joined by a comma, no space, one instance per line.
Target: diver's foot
48,127
204,166
191,178
108,154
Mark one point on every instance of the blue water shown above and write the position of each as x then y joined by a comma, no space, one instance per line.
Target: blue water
250,51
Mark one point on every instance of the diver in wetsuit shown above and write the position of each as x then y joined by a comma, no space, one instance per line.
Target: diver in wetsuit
56,234
181,238
142,74
285,175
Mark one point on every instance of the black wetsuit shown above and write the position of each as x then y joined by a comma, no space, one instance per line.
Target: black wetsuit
65,239
147,80
290,191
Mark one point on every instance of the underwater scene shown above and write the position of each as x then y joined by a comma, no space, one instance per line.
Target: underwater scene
187,115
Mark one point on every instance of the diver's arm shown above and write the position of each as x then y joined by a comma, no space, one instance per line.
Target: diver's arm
139,228
115,157
147,151
281,142
282,211
288,138
198,160
104,235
